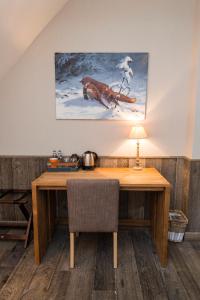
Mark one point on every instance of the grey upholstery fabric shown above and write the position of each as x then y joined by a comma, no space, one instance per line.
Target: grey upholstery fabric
93,205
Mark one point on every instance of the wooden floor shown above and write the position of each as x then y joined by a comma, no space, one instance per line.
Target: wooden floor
139,275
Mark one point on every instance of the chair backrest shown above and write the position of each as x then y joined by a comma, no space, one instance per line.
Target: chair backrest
93,205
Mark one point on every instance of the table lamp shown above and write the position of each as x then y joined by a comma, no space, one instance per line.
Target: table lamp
137,133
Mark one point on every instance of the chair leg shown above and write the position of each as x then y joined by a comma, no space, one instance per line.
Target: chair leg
115,250
71,256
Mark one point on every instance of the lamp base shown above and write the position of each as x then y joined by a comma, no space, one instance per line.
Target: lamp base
138,168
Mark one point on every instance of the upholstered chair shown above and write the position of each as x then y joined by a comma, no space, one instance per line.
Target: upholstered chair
93,206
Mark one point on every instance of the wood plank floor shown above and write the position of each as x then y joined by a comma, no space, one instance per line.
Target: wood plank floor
139,275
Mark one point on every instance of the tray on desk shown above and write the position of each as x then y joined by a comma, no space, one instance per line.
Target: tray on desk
63,169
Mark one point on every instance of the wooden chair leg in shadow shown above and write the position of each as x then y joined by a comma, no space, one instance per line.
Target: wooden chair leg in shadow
115,250
71,255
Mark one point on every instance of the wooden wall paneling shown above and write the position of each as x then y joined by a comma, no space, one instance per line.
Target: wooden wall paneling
179,188
20,173
186,185
123,162
51,204
61,205
123,205
154,163
43,164
149,197
168,170
98,163
136,202
182,184
113,162
34,169
6,173
194,198
131,162
6,182
183,174
7,212
2,213
108,162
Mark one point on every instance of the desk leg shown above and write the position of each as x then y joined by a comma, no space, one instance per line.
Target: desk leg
40,223
160,212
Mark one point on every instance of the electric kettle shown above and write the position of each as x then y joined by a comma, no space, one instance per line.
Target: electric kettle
89,160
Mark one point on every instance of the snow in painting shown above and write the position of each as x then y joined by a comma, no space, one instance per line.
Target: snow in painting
110,86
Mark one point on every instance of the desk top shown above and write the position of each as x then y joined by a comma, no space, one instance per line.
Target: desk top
130,179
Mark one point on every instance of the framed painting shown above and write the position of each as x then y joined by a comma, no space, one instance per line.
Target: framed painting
101,86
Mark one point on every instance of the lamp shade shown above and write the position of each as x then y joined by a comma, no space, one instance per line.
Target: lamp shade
138,132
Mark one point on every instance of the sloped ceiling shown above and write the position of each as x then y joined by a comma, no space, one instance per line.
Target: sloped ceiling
20,22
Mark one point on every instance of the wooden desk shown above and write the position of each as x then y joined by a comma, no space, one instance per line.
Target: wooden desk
148,179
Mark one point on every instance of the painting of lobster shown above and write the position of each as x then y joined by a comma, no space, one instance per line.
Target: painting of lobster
96,90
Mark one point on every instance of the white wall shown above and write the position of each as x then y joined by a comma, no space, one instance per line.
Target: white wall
163,28
196,145
196,114
20,23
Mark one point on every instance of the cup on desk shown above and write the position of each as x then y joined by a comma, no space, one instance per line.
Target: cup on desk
54,162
